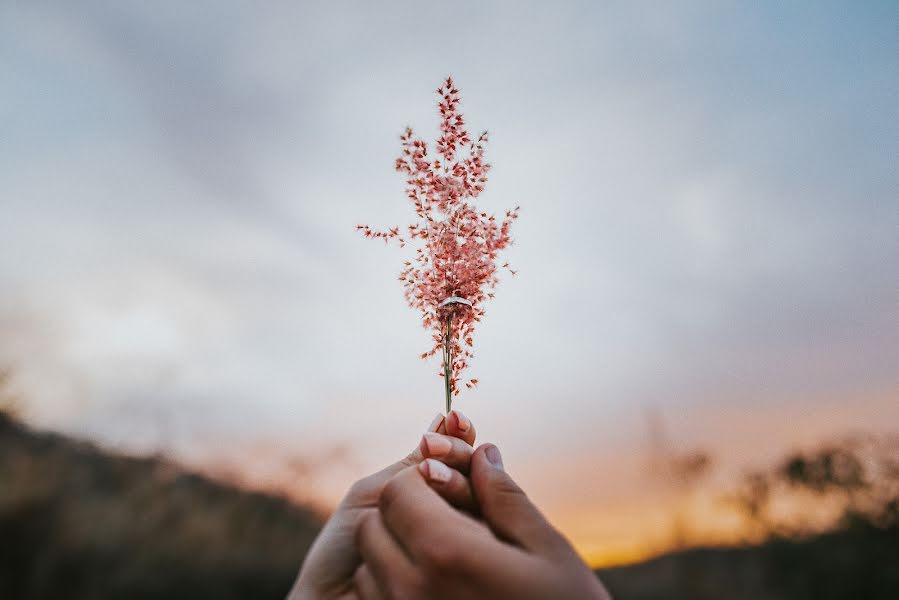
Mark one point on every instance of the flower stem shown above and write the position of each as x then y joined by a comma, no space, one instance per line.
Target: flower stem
448,362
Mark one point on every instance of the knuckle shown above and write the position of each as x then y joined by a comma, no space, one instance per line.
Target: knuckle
458,493
361,488
442,556
411,459
461,449
507,491
506,497
389,495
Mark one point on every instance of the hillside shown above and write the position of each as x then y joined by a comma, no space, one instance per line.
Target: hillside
861,564
78,522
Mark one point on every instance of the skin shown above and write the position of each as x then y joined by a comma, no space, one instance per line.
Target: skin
416,545
329,569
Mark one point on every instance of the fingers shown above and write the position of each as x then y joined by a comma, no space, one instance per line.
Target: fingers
458,425
438,425
383,556
457,429
365,491
451,451
449,483
422,522
506,508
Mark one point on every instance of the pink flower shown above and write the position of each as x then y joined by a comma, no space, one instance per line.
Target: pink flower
454,269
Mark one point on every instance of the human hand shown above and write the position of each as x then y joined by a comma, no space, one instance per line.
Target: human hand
328,569
417,546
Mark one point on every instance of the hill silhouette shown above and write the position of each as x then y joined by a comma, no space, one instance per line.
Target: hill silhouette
861,564
80,522
855,556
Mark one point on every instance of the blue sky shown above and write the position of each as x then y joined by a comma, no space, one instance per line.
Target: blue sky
708,226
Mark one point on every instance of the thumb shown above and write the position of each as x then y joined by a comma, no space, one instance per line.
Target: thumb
505,507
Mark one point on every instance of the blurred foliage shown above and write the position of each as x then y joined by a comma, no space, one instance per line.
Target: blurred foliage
858,564
77,522
855,555
9,402
859,475
831,468
676,474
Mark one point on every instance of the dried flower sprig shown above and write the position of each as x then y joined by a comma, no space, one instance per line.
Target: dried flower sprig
455,266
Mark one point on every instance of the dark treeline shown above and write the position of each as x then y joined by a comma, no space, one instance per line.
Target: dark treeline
854,555
77,522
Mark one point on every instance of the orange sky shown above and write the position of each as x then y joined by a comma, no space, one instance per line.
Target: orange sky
608,502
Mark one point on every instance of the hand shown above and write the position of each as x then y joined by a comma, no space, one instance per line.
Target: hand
328,569
417,546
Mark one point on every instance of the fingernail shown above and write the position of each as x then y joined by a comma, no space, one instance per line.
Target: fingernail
494,457
464,423
435,424
437,471
437,444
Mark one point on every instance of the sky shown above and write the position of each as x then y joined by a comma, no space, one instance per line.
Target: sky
707,237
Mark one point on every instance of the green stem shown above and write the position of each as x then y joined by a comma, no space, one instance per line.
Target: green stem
448,362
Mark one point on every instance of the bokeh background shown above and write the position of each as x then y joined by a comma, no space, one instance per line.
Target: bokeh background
706,254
